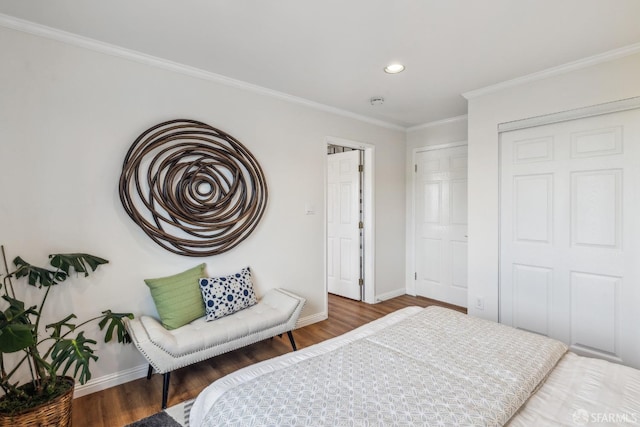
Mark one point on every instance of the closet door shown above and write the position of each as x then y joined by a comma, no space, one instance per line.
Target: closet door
570,233
441,224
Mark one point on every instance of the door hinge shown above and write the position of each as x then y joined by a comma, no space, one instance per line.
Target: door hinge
361,282
360,168
361,225
415,167
415,276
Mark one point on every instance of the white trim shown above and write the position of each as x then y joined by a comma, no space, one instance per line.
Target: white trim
341,142
439,147
311,319
154,61
438,123
369,215
111,380
393,294
410,250
500,196
578,113
550,72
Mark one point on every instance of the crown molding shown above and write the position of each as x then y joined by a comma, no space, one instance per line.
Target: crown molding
550,72
438,123
40,30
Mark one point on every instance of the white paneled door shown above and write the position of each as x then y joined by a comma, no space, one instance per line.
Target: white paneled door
570,233
441,224
343,218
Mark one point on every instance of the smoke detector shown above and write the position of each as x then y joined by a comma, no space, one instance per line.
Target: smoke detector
376,100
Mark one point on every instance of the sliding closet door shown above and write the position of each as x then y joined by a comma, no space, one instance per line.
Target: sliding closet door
570,233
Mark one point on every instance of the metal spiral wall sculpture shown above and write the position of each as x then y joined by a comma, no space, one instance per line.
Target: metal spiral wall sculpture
194,189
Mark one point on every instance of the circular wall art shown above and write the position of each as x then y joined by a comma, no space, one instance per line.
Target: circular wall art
194,189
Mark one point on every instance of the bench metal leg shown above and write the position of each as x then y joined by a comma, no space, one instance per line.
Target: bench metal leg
165,385
293,343
165,389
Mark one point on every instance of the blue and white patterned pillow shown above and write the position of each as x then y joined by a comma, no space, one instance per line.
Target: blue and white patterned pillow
225,295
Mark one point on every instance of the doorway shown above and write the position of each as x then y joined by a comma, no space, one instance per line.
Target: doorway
349,226
345,237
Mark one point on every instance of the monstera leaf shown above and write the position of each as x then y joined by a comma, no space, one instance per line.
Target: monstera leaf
64,263
79,262
74,351
16,329
37,276
57,327
115,321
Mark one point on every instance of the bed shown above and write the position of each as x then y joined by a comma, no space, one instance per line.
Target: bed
422,367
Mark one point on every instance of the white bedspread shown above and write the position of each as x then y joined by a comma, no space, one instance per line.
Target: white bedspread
583,391
414,367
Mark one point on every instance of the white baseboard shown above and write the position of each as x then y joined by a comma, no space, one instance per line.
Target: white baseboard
112,380
314,318
388,295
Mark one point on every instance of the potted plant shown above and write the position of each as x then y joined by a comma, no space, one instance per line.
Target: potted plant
48,351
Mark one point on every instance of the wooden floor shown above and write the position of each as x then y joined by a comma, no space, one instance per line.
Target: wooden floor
121,405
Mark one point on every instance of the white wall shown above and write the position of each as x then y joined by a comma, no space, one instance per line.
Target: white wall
605,82
67,118
437,133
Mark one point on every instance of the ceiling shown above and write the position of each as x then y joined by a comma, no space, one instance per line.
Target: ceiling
333,52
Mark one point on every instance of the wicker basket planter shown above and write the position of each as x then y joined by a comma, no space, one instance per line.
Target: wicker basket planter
57,412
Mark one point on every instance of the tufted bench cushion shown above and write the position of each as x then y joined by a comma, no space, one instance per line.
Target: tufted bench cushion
274,309
166,350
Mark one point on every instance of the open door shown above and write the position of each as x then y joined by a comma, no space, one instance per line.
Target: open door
344,269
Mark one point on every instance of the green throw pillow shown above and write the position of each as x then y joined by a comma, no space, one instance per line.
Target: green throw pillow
178,298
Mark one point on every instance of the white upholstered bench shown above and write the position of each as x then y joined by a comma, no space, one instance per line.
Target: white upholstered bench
166,350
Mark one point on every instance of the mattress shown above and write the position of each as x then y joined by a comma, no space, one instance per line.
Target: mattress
413,367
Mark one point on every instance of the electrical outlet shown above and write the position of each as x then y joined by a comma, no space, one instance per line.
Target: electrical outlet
480,303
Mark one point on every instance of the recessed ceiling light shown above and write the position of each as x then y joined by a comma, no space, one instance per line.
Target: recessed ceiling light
394,68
